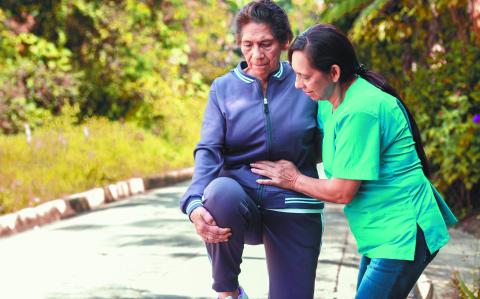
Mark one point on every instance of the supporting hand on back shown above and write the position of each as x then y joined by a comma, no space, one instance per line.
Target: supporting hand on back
282,173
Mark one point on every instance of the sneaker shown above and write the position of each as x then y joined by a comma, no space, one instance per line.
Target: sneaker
241,294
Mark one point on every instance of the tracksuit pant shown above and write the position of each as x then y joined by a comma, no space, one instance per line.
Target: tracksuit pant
292,241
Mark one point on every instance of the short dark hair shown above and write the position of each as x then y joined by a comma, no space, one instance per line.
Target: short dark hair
264,12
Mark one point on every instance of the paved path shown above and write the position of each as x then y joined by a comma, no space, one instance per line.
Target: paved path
462,255
143,247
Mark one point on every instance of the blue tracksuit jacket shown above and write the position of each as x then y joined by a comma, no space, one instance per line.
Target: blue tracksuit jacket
241,125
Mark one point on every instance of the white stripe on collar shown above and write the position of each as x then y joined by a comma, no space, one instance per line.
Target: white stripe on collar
245,79
280,71
242,76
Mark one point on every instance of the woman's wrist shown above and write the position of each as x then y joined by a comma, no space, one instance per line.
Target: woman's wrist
304,184
292,182
296,182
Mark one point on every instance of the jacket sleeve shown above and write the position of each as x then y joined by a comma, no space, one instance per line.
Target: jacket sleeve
208,153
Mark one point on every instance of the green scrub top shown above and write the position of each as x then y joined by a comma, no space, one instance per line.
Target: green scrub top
368,138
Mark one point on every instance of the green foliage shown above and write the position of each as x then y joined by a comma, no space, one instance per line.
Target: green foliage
36,78
144,61
338,9
149,62
212,50
365,11
303,14
61,159
136,61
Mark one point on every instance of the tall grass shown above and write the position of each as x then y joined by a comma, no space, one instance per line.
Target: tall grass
470,289
62,159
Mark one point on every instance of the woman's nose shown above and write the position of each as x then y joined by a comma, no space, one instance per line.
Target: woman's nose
257,53
298,83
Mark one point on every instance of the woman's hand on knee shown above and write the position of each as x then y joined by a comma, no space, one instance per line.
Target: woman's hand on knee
207,228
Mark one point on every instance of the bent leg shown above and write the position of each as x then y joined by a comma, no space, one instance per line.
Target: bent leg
364,262
231,207
392,279
292,245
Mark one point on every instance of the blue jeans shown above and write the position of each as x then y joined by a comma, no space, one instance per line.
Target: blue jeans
391,279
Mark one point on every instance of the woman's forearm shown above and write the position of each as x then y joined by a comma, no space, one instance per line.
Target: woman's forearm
333,190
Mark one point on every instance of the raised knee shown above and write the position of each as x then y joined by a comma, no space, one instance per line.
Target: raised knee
223,193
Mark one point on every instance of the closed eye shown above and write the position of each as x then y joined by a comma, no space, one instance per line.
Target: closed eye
302,76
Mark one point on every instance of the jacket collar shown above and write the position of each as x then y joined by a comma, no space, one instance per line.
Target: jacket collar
279,74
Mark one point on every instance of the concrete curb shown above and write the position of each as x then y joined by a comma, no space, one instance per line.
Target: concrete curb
89,200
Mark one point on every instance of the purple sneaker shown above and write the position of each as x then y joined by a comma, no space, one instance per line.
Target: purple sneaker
241,294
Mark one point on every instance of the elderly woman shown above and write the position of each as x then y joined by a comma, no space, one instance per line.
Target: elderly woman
374,162
254,112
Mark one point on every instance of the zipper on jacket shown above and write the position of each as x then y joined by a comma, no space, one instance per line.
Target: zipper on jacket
266,112
265,105
269,127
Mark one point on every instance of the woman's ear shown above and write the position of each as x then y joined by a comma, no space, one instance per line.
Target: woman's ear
335,73
285,46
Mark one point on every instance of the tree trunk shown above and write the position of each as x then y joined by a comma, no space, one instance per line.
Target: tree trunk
475,15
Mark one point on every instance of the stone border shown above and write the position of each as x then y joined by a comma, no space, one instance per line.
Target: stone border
89,200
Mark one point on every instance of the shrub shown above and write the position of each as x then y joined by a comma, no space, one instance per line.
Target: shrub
61,159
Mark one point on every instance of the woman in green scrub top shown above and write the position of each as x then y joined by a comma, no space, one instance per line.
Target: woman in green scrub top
374,162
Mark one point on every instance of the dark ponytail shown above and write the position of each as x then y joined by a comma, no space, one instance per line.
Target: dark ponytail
325,45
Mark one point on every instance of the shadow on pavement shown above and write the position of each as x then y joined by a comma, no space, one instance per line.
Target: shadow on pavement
148,297
149,240
156,222
81,227
167,200
120,293
350,265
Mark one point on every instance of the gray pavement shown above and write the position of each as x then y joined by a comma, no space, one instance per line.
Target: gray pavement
143,247
460,255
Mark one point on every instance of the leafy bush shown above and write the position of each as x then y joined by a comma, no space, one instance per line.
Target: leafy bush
62,159
150,62
36,78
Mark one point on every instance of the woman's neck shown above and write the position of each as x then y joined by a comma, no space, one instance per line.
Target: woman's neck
264,86
339,94
263,79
